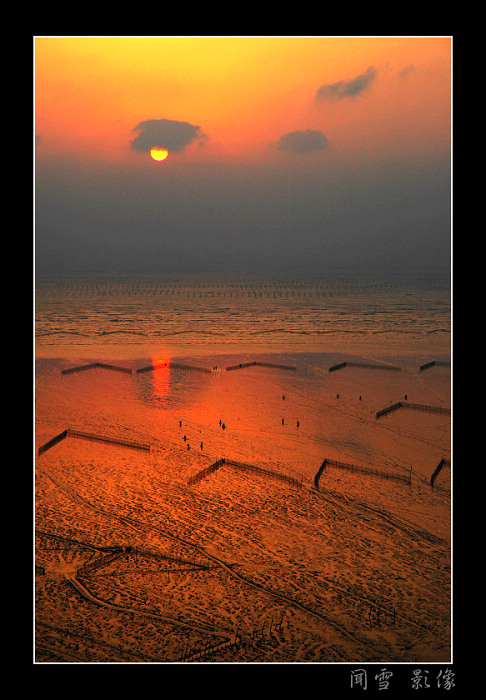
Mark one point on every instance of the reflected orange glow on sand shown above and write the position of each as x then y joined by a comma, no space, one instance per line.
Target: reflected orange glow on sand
354,545
161,376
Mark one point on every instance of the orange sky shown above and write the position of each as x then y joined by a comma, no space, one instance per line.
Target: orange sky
305,151
244,93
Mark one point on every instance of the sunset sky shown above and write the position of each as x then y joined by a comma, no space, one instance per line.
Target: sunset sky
283,152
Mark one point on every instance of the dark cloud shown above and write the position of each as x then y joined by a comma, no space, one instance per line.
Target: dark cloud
405,72
349,88
166,133
303,141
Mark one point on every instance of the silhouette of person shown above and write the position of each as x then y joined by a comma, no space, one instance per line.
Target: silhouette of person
298,423
201,445
283,423
185,438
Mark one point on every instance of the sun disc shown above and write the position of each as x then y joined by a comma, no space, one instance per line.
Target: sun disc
159,153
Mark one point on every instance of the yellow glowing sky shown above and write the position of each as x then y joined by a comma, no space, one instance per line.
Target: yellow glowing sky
244,93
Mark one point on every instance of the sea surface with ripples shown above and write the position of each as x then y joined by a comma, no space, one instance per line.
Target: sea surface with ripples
276,311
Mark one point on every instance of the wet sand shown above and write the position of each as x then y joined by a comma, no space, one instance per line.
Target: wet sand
136,561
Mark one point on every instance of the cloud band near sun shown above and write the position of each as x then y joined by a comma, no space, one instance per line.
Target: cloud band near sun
347,88
307,141
166,133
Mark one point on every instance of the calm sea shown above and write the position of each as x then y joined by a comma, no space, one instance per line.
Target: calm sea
260,311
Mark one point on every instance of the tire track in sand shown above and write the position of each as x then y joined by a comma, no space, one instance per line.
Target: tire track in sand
233,574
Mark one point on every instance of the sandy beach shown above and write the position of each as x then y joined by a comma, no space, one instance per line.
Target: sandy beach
150,555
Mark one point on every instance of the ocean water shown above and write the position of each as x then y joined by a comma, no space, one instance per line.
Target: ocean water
235,312
333,550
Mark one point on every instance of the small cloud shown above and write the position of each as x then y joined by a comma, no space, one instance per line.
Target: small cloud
347,88
307,141
166,133
405,72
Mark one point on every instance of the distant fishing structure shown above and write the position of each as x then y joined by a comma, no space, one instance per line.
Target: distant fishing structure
407,479
443,463
172,365
94,438
434,363
365,365
94,365
261,364
414,407
196,478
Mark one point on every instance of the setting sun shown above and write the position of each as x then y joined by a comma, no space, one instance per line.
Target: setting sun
159,153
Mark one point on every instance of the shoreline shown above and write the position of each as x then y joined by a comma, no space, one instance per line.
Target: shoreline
208,353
